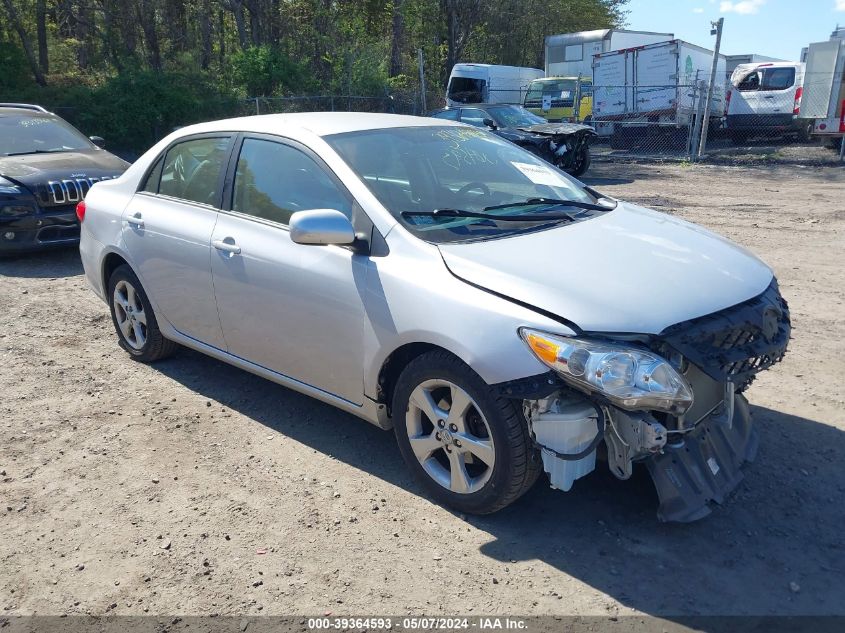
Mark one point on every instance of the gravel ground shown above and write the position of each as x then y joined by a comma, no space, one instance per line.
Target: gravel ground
191,487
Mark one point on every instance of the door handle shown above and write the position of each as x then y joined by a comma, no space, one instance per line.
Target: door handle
227,247
136,220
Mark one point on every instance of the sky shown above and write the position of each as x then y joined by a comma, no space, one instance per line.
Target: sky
775,28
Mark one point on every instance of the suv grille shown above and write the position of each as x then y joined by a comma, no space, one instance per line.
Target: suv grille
738,342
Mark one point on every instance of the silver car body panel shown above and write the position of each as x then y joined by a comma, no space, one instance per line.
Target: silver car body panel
293,308
630,270
169,241
340,331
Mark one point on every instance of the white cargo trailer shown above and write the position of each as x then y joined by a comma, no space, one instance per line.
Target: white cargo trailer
656,86
823,96
571,54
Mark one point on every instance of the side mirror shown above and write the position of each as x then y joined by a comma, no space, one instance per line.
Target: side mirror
321,226
490,123
99,141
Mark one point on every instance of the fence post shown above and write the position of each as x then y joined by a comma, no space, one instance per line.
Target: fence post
257,109
706,122
421,64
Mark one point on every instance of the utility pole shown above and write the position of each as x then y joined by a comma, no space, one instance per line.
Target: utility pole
421,63
705,123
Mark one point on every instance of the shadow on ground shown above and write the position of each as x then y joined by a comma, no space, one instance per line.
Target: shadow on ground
58,262
783,525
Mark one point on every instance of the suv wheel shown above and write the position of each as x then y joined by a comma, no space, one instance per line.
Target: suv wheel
468,446
134,319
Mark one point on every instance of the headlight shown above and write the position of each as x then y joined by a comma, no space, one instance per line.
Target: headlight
8,187
629,377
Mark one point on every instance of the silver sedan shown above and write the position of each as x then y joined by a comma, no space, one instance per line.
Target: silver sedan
502,317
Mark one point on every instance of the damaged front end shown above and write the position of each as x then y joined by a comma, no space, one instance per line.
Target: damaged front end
672,402
562,144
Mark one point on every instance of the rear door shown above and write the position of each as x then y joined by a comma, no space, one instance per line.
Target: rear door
777,90
656,73
745,94
167,232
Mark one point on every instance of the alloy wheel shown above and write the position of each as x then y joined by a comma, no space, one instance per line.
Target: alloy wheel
449,436
129,314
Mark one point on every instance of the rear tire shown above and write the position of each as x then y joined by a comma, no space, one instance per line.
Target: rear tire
134,319
478,459
805,132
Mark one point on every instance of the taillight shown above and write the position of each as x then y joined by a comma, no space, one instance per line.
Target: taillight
80,211
797,107
728,101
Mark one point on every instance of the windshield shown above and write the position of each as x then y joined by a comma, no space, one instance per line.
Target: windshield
420,169
514,116
466,90
23,134
560,89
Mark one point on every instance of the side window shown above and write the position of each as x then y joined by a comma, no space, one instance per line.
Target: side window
153,178
474,116
750,82
586,89
778,78
273,181
451,115
191,170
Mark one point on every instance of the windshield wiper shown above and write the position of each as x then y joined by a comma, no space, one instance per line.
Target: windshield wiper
551,202
39,151
460,213
611,202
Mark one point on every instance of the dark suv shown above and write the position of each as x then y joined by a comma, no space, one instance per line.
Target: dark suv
46,167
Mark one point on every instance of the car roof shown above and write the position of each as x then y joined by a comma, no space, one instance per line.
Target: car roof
319,123
481,105
10,110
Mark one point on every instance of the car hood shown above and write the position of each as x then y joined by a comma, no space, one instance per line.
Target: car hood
629,270
553,129
58,177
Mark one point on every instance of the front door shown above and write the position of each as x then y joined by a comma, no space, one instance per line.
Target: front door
167,232
291,308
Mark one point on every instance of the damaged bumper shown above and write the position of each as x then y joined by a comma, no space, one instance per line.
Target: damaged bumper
695,454
704,466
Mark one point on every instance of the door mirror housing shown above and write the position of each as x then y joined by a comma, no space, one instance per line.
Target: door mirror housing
99,141
321,227
490,123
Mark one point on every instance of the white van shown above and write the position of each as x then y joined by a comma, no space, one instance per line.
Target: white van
765,100
488,83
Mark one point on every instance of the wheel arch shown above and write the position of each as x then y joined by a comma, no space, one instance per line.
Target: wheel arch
110,263
395,362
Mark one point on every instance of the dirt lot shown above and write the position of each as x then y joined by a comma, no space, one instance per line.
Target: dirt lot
191,487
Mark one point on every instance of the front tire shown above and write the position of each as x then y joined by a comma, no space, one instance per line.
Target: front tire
134,319
581,163
466,444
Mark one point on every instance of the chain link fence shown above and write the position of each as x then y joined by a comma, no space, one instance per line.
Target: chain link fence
394,104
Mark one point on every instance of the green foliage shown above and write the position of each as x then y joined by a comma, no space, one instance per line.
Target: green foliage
208,54
14,72
263,71
135,109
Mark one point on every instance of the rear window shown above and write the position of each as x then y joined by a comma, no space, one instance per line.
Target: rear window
466,90
778,78
767,79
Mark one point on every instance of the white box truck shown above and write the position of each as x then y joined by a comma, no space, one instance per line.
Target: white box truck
488,83
571,54
658,87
